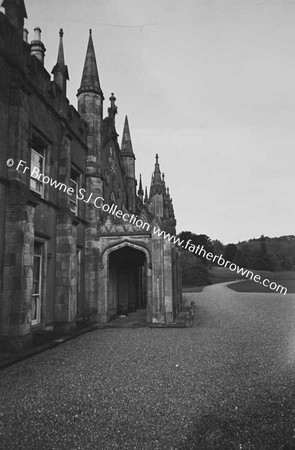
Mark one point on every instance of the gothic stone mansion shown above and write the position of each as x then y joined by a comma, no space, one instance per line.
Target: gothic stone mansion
63,259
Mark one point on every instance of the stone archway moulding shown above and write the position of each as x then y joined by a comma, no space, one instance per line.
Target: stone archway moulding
105,269
131,244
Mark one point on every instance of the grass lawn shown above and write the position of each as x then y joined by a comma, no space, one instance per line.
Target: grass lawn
192,288
222,275
251,286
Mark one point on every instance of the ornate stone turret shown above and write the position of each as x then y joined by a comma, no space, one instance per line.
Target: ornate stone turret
60,70
128,158
158,182
160,203
90,107
156,191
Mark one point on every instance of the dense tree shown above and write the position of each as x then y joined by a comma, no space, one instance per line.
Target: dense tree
264,260
287,263
197,239
218,247
230,252
194,271
201,240
243,257
263,253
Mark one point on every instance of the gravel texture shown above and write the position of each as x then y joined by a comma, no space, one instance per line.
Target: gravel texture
226,383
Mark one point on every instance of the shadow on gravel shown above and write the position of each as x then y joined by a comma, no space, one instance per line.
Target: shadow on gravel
203,318
211,432
267,424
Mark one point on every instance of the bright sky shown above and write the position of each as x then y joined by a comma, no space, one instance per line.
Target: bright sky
209,85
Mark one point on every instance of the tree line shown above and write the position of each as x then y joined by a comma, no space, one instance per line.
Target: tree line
264,253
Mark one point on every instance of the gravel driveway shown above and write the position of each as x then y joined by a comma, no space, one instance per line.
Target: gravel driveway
226,383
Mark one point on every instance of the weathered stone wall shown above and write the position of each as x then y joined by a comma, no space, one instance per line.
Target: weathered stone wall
35,112
15,326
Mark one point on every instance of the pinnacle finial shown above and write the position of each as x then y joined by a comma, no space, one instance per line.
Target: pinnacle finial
60,69
157,172
90,31
60,55
113,110
140,190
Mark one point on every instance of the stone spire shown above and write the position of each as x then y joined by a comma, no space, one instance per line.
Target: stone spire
146,197
60,70
157,183
157,172
126,146
90,79
140,190
128,159
60,55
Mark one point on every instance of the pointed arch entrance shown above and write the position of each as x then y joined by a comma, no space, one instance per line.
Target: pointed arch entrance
128,283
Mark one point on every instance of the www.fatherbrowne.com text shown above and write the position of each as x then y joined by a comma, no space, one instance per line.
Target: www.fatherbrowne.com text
98,202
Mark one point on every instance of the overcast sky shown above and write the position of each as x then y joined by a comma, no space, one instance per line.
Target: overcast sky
209,85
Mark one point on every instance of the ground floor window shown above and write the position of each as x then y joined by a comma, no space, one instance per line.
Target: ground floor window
37,283
78,280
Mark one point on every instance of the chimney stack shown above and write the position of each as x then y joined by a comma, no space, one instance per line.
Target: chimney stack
25,35
37,46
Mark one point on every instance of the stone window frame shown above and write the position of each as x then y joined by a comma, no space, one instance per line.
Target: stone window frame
79,270
41,145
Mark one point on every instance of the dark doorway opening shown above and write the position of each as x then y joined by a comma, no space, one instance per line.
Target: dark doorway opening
127,280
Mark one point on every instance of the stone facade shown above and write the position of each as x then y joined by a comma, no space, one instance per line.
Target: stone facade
77,240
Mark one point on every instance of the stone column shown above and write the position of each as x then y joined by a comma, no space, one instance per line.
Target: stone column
157,307
66,246
168,283
93,308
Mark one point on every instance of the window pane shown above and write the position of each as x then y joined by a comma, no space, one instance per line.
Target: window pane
37,161
37,283
74,184
34,308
